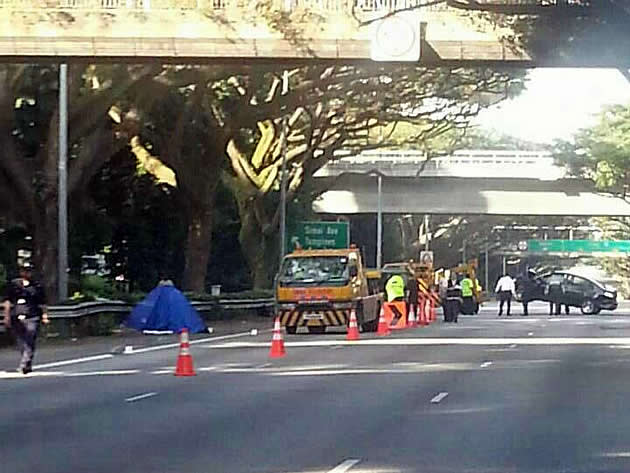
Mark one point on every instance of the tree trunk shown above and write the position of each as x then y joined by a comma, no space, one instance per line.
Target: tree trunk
260,249
45,247
198,244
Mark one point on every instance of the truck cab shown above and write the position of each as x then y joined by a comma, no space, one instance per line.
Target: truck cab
317,289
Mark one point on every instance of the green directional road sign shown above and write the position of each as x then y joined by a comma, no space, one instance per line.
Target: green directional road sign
321,235
578,246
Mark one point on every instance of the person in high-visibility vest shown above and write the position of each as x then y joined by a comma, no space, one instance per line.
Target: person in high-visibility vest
468,295
395,288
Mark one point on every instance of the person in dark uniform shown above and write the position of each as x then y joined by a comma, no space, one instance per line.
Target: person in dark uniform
554,292
530,289
24,309
453,302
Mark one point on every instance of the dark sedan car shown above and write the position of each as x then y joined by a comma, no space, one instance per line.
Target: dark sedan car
572,290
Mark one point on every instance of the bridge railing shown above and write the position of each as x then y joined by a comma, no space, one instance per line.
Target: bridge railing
324,5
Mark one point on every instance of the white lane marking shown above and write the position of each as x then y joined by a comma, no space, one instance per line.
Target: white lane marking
73,361
513,345
345,466
439,341
485,364
16,375
107,356
194,342
140,396
616,455
437,399
102,373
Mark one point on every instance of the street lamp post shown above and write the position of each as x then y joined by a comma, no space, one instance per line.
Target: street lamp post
62,190
283,191
379,224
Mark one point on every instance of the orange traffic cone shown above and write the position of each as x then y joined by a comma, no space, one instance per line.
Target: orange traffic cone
277,343
432,313
184,360
412,322
353,328
383,326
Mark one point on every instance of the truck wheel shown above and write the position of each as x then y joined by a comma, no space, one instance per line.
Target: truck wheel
316,329
291,329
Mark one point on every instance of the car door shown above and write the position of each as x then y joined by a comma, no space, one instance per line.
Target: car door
578,290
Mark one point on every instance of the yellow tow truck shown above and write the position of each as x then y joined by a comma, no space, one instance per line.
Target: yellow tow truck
317,289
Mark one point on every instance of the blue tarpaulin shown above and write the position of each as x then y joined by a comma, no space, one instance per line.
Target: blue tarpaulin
165,308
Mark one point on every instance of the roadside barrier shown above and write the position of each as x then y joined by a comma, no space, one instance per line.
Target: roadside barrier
422,310
412,322
396,314
383,326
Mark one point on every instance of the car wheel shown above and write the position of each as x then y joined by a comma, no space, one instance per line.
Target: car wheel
589,307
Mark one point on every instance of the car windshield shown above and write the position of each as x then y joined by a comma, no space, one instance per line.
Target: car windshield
315,269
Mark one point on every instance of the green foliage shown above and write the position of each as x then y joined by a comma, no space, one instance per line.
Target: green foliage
601,152
97,287
141,220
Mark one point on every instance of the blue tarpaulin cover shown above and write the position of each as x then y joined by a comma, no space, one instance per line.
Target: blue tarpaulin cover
165,308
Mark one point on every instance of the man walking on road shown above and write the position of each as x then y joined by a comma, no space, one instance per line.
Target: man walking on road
505,288
24,308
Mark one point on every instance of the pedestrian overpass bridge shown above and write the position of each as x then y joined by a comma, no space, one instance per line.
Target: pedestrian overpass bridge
467,182
270,30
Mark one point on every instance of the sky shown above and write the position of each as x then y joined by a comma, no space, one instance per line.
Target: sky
557,103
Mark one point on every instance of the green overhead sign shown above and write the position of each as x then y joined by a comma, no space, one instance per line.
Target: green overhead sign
578,246
321,235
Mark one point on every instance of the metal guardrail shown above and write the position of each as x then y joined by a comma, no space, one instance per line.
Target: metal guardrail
93,308
90,308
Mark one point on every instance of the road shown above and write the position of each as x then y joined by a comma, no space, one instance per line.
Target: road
535,394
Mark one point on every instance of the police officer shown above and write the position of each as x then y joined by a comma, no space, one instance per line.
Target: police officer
530,289
24,309
554,292
453,302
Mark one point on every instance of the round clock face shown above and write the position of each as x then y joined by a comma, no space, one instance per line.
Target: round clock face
395,36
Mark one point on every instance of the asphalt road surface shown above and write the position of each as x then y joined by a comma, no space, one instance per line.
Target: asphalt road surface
535,394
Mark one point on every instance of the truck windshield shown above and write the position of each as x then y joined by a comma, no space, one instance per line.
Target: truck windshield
315,270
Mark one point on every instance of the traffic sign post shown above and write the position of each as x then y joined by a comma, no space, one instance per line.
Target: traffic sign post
322,235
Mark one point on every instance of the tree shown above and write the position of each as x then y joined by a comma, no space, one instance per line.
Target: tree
29,140
602,152
329,108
